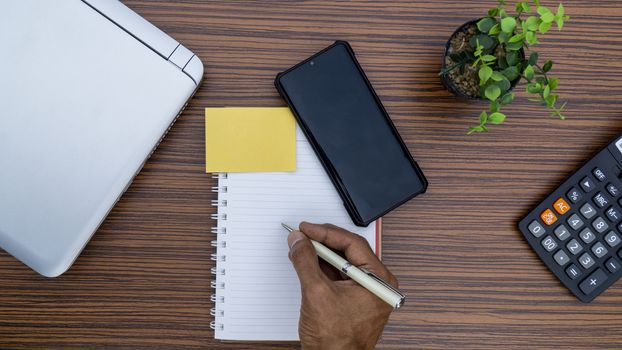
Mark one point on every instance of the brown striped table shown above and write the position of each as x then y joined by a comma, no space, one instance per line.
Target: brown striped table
472,281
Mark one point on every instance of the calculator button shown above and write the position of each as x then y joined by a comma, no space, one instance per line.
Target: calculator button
561,258
586,260
575,222
574,195
574,247
613,214
593,281
620,253
549,243
599,174
561,206
562,232
612,239
612,265
536,229
600,225
601,200
587,236
548,217
599,250
573,271
587,211
587,184
613,190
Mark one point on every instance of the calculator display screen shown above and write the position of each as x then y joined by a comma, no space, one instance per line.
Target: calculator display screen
354,135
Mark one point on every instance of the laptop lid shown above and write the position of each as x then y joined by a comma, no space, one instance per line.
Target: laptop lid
88,90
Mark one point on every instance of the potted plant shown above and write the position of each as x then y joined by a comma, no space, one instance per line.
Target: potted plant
485,58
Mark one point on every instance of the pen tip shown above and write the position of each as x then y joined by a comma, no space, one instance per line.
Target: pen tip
287,227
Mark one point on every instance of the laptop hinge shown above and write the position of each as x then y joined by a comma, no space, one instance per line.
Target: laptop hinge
148,34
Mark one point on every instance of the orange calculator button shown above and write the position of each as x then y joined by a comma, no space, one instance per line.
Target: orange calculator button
548,217
561,206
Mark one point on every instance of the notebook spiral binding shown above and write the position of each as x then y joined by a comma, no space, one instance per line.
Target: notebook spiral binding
220,256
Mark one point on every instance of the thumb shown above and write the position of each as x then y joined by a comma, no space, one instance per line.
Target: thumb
304,258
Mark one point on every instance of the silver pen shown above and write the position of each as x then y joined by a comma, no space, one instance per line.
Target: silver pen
367,279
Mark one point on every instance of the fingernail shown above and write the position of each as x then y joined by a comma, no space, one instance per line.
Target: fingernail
294,237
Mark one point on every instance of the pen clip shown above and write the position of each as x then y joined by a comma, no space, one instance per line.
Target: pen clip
386,284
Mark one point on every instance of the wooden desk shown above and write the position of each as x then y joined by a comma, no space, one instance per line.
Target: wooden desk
472,281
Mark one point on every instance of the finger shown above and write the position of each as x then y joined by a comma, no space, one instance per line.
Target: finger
305,260
332,273
355,247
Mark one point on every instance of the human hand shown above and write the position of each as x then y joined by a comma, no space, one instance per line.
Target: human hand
336,312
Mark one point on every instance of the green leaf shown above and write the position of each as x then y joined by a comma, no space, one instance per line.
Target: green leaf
474,129
496,29
547,17
496,118
493,12
508,98
560,10
526,7
534,88
502,63
515,46
532,23
543,10
485,24
484,73
503,37
492,92
484,40
531,38
553,83
517,38
508,24
504,85
560,23
511,73
489,58
544,27
547,66
546,92
519,6
496,76
494,106
551,100
483,118
529,72
533,58
512,58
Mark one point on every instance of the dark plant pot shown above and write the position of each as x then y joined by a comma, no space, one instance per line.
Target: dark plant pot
446,79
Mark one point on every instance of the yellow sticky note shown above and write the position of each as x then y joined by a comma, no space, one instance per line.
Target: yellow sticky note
249,140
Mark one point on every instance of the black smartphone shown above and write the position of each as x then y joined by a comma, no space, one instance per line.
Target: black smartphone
351,132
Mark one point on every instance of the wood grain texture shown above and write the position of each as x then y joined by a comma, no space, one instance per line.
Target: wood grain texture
472,281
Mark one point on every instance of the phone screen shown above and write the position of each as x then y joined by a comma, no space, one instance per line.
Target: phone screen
354,136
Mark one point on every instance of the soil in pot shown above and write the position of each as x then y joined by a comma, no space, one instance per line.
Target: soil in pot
464,81
467,81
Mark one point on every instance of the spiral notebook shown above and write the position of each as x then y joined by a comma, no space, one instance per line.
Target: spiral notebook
257,294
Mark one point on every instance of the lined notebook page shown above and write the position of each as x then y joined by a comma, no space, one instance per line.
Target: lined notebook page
258,293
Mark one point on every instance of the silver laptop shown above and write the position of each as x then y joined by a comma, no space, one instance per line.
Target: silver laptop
87,91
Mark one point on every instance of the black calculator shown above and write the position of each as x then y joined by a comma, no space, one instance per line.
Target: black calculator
577,229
